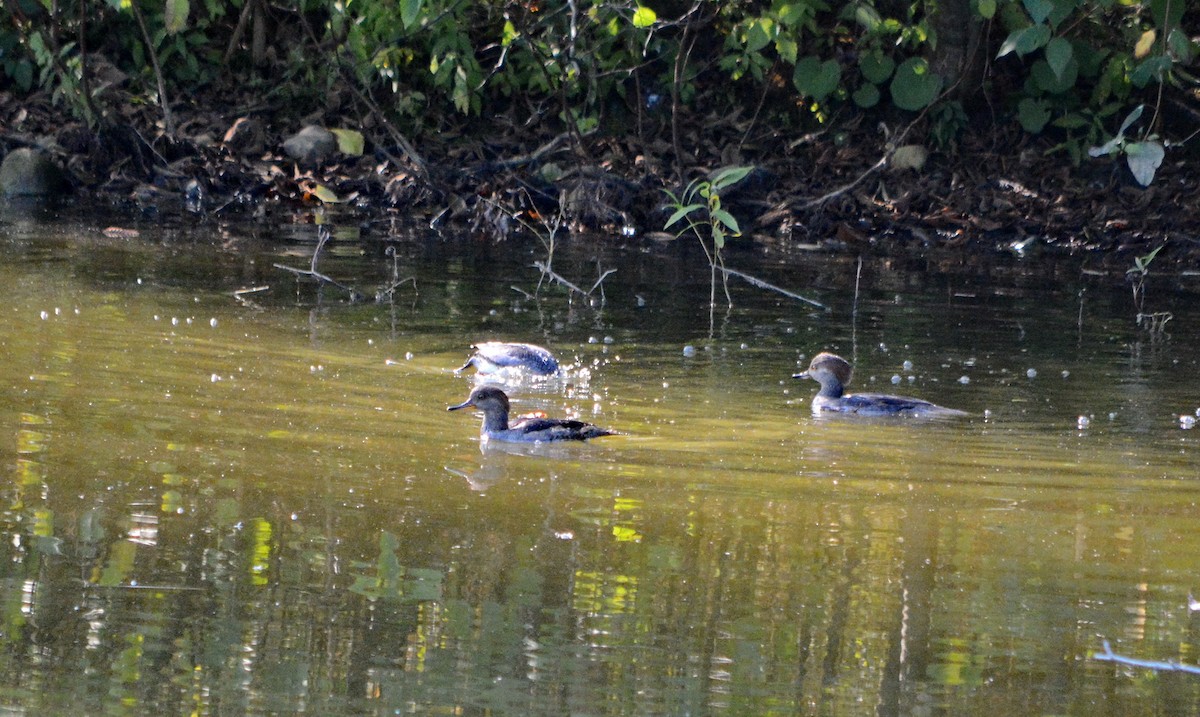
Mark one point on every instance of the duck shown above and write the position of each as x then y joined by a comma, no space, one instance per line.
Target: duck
499,357
833,373
525,429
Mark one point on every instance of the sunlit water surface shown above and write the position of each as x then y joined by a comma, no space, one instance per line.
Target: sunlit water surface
259,505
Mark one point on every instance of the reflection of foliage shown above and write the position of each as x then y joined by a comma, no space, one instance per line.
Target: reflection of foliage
393,580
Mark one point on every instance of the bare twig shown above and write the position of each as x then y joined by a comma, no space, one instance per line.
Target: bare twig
556,277
240,296
1167,666
324,235
355,294
603,276
168,120
755,281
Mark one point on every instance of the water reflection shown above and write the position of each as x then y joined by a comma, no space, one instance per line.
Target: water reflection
221,508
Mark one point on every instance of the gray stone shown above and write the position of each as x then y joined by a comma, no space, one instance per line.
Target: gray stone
29,173
311,145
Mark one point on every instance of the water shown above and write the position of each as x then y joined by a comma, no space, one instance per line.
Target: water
257,506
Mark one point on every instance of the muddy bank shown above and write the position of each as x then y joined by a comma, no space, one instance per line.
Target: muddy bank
998,190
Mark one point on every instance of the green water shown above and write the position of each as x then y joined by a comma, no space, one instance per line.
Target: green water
244,507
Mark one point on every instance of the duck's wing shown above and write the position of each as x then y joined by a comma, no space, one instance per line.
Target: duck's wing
879,404
559,429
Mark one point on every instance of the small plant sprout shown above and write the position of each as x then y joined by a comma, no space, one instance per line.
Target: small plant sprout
1155,321
699,206
1144,156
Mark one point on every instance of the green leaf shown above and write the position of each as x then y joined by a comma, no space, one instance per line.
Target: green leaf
914,87
1144,159
1112,145
876,66
728,176
866,96
1130,119
1181,48
349,141
1033,114
1167,13
867,16
816,79
758,34
1038,10
175,15
727,220
410,11
718,237
787,47
508,34
644,17
1153,68
1044,78
1025,41
1071,120
326,195
986,8
682,212
1058,55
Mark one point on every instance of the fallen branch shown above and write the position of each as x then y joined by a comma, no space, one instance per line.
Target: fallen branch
544,267
547,271
240,295
1167,666
355,294
324,235
755,281
599,281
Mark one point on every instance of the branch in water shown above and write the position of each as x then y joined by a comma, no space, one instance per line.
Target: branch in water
1170,666
755,281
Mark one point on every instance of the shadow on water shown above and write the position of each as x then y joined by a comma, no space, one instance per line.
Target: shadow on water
258,504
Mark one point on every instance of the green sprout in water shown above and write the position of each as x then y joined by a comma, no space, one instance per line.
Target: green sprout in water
1155,322
699,206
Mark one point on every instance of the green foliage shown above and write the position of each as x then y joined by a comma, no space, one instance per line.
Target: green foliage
1088,59
698,206
1143,156
718,221
1075,63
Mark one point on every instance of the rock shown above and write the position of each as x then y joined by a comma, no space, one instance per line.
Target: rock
29,173
311,145
909,156
245,136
